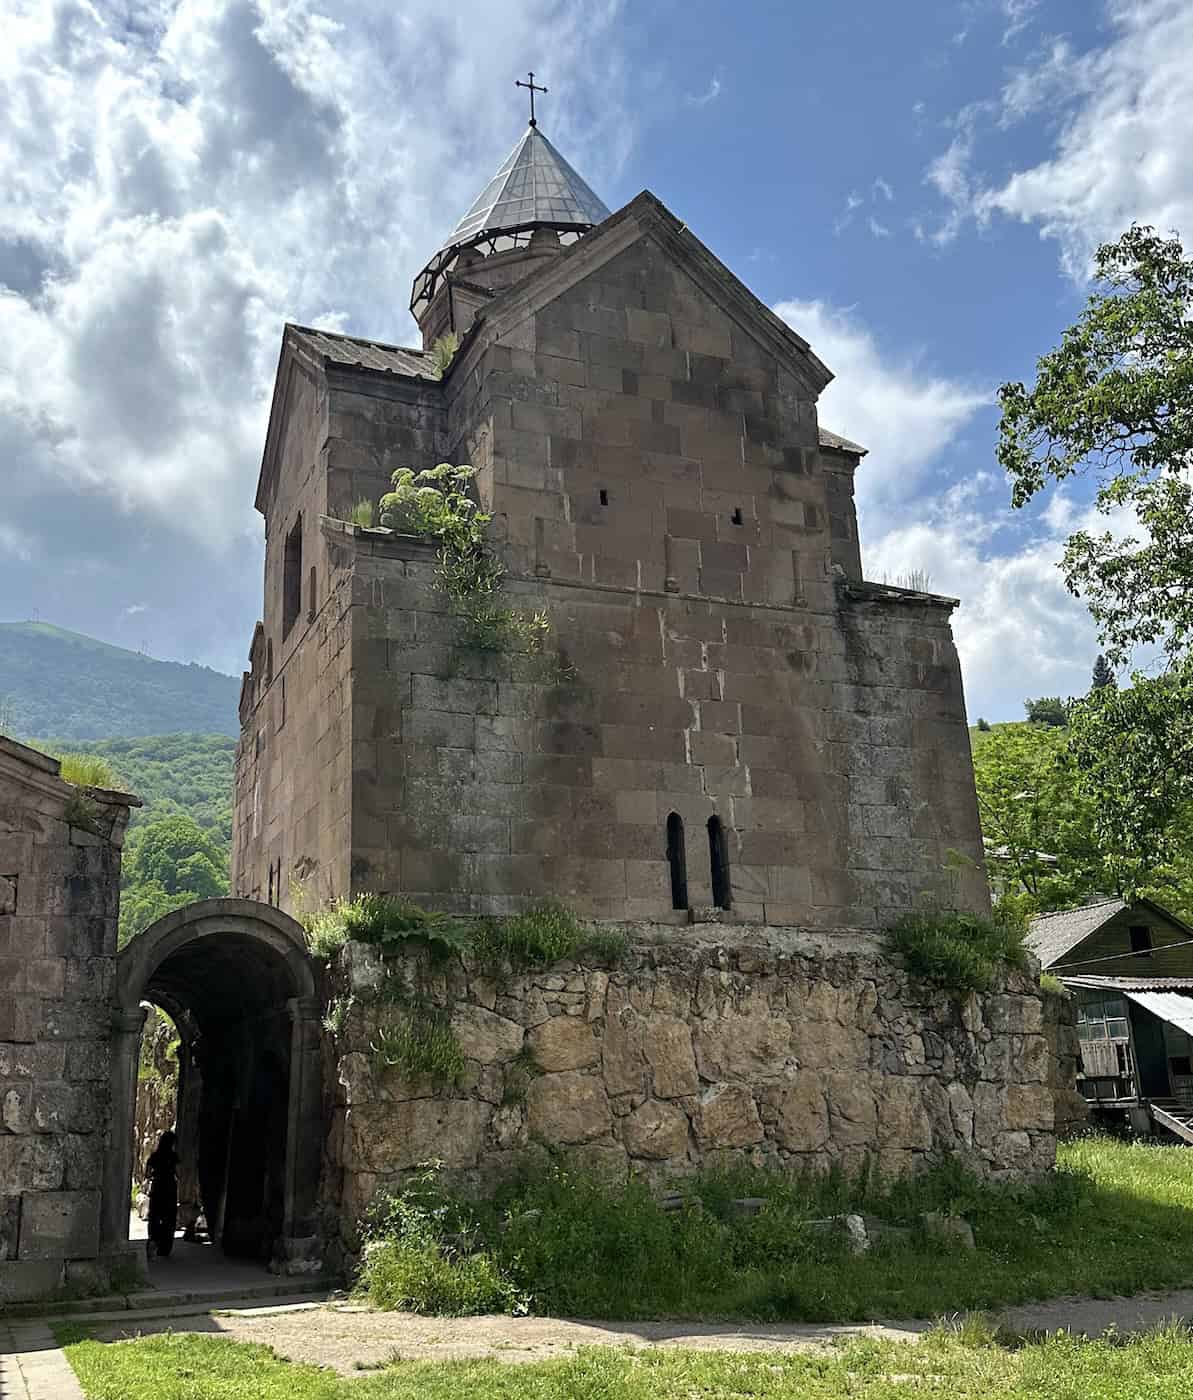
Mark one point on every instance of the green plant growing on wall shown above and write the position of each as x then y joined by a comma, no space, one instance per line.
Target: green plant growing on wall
543,935
960,951
424,1043
335,1018
385,921
364,513
519,1072
443,352
436,503
86,770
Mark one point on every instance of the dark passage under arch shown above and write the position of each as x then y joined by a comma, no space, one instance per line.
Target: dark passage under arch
718,853
678,861
235,977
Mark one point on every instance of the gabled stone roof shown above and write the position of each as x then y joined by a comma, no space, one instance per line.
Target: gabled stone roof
337,349
1051,936
835,443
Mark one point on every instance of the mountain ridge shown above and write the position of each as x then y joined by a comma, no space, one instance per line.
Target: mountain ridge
60,684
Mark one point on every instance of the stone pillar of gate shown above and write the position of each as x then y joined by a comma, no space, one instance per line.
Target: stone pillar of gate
300,1248
113,1226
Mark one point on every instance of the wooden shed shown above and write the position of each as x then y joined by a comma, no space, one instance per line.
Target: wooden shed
1130,967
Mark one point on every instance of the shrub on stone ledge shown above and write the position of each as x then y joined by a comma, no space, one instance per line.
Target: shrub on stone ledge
957,950
546,934
384,921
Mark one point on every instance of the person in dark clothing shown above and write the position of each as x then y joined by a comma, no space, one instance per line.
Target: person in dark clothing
162,1171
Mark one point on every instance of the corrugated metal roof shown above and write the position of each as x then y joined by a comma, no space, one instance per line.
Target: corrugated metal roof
1172,1007
368,354
1123,984
1050,936
840,444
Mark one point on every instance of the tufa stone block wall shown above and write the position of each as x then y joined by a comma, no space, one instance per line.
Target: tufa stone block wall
772,1046
647,441
832,747
59,890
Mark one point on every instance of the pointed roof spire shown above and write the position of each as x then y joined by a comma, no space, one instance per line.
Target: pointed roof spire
534,188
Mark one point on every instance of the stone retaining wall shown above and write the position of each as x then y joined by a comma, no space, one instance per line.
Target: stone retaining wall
704,1043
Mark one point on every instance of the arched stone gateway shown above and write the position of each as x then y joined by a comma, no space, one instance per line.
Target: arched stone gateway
236,973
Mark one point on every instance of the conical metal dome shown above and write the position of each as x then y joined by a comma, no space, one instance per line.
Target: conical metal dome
534,188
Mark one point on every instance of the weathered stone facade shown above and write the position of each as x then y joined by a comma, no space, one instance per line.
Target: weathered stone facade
699,1045
647,441
59,887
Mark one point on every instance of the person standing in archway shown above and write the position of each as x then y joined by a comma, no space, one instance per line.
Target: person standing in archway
162,1171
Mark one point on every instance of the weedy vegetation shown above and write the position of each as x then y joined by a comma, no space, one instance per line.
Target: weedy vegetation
1113,1218
953,949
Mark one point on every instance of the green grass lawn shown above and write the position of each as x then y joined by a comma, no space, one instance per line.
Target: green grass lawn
1158,1366
1116,1218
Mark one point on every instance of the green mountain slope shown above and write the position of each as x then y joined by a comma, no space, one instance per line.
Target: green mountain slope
71,687
173,774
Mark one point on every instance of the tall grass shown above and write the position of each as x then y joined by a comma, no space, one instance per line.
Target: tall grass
86,770
955,949
1112,1218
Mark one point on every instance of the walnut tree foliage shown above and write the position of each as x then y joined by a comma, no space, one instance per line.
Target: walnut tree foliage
1114,401
1102,675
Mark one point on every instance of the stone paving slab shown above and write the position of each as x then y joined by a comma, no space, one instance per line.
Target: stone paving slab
33,1366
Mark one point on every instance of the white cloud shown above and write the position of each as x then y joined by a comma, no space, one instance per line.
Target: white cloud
877,229
883,188
179,178
710,94
1122,114
901,410
1018,14
949,174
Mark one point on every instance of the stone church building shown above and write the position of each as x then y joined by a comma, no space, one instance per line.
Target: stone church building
732,746
739,721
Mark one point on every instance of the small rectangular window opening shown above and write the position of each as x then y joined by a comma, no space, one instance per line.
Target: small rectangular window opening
737,515
604,497
1141,939
677,861
718,850
292,578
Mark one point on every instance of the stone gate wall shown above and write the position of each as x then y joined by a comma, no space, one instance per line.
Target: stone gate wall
59,886
705,1043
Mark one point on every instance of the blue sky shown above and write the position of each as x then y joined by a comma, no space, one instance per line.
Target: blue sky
916,188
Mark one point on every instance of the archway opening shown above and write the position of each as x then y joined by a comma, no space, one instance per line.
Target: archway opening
238,987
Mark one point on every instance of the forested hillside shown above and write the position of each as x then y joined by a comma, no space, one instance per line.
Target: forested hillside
60,684
173,774
178,843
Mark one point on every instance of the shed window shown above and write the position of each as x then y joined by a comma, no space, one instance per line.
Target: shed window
1102,1018
292,578
1141,939
718,852
678,861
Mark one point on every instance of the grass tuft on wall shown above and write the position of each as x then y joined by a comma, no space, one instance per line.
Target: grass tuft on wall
956,950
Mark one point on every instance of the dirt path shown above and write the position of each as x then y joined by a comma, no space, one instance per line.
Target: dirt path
351,1338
